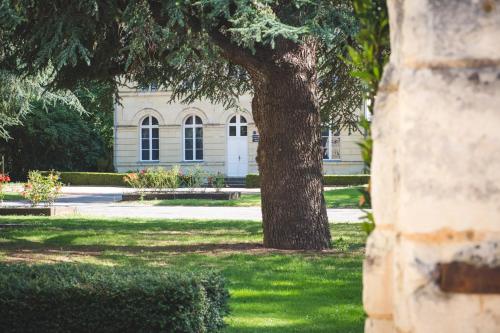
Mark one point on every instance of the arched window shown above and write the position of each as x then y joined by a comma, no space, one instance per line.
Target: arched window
238,126
150,139
330,144
193,139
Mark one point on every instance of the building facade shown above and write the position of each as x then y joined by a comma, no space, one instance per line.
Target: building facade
150,132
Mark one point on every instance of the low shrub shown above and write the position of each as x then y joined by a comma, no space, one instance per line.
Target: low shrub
135,180
345,180
194,177
253,180
84,298
218,182
157,179
92,178
42,188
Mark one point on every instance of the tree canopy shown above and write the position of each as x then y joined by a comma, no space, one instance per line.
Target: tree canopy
287,53
57,136
196,48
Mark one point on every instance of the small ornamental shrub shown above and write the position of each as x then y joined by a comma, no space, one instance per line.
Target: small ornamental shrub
86,298
155,178
173,180
136,180
218,181
42,189
194,177
3,180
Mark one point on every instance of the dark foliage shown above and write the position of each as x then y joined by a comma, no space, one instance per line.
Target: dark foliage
57,137
76,298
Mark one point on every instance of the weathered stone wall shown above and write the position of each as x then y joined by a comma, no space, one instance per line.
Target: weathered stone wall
436,170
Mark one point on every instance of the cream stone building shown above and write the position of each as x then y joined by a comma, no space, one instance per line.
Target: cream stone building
149,132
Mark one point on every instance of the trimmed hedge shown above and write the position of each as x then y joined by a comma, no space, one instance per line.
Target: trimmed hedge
92,178
253,180
345,180
84,298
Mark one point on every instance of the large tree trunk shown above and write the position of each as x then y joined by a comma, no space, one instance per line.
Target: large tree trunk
286,112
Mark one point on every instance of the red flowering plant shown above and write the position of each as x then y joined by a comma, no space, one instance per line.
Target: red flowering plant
3,179
135,180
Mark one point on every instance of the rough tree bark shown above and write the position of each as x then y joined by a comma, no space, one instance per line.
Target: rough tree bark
286,112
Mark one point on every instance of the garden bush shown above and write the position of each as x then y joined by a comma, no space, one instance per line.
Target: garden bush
42,188
157,178
92,178
253,180
85,298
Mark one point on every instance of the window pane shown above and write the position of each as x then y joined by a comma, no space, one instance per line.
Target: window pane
232,130
243,120
233,120
156,144
145,133
325,132
199,154
198,120
199,132
145,155
145,121
189,155
155,133
188,143
324,147
145,144
188,133
189,121
156,155
154,121
199,143
243,131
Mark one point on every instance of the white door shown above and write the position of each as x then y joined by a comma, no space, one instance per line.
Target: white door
237,147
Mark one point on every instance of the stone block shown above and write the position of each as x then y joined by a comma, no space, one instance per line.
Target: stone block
379,326
421,306
377,274
449,33
449,153
385,167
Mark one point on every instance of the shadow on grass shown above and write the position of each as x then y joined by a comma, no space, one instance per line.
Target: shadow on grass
271,291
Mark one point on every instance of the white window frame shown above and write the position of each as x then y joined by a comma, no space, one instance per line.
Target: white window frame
194,126
150,138
238,124
329,146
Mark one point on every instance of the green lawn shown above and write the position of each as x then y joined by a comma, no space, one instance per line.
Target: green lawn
341,198
12,196
271,291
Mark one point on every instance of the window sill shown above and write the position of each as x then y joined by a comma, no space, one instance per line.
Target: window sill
332,160
150,162
193,162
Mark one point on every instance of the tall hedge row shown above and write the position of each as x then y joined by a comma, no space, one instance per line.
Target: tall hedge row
253,180
76,298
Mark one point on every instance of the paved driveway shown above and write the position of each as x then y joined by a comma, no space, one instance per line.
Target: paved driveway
184,212
104,201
